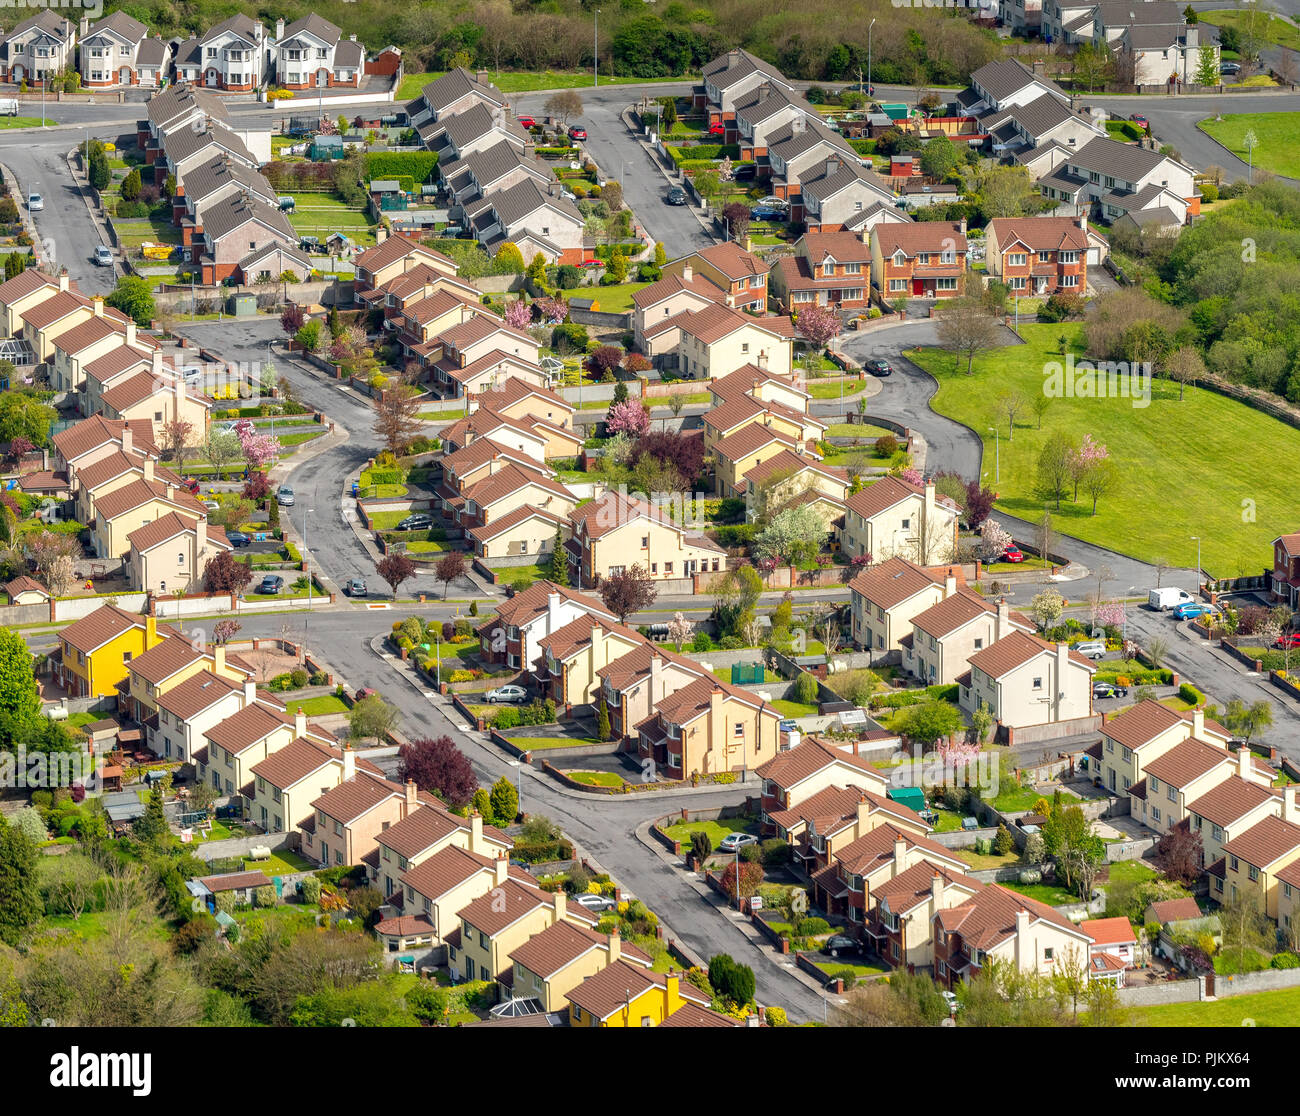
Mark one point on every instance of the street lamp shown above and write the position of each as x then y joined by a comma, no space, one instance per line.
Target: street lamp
997,456
306,563
870,88
595,53
1198,562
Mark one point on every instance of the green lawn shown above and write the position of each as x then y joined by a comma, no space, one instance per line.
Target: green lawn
1279,1008
441,416
1132,871
769,675
986,860
857,430
795,709
662,401
1170,454
717,830
597,778
1267,27
541,743
321,214
614,299
24,121
1235,960
521,577
387,520
1050,894
318,706
281,864
834,967
1278,133
846,388
524,82
299,438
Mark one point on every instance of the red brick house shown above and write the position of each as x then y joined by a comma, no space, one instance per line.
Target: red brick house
828,268
1039,255
922,260
1286,568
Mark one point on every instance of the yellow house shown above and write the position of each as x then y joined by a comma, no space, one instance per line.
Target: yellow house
499,922
734,457
788,478
769,400
1256,857
132,506
395,256
97,336
525,530
288,780
551,964
96,651
626,995
636,682
731,267
876,857
518,399
25,290
885,597
1182,776
1288,901
616,532
1226,812
423,834
510,488
158,401
45,323
1144,733
239,742
710,726
892,518
169,663
572,655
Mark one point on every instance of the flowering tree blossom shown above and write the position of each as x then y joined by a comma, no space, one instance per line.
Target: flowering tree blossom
1086,456
259,449
552,310
519,314
817,325
912,476
1110,614
680,629
629,417
993,540
860,561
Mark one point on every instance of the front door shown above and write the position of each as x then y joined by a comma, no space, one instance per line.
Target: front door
210,78
124,76
918,286
322,78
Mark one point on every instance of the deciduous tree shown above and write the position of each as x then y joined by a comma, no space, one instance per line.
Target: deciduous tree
438,766
966,329
371,718
395,569
449,568
628,592
226,574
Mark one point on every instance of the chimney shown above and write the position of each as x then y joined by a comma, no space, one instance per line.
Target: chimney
597,646
130,331
97,305
279,29
864,812
481,77
961,226
561,906
299,722
83,27
733,58
412,801
1082,221
218,658
500,869
936,894
1198,724
1245,768
250,691
688,273
1062,669
1002,621
673,990
349,764
748,244
900,857
797,125
150,631
832,164
475,832
1024,948
63,279
148,468
170,492
656,679
949,583
615,946
553,621
717,730
156,363
352,38
178,396
126,439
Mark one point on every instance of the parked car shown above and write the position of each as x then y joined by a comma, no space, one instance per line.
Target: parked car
767,213
527,122
355,587
1092,648
35,202
1291,639
717,128
877,367
417,522
576,133
676,196
596,902
285,496
238,538
1229,67
1013,554
1192,609
840,943
1108,690
1139,120
103,257
271,583
506,693
745,171
191,486
1163,599
734,842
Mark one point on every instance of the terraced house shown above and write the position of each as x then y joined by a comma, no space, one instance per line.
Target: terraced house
474,129
421,837
573,655
635,683
729,78
709,727
949,632
347,820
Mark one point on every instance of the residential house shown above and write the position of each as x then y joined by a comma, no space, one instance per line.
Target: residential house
73,349
311,53
735,456
1286,555
892,518
167,664
759,113
537,219
1045,122
788,479
635,683
208,182
234,55
802,147
763,386
394,256
732,268
24,590
118,50
499,922
708,727
535,407
828,269
290,778
997,924
184,150
886,846
1227,811
616,532
904,910
96,438
479,353
454,92
1007,83
464,467
405,289
771,401
1144,732
836,191
796,774
173,550
348,819
1024,17
885,597
1111,20
949,632
421,321
671,295
926,259
727,79
623,994
506,490
474,129
187,711
144,396
513,635
38,48
552,963
1039,255
1113,948
28,288
95,652
1167,54
713,342
1179,777
1027,681
46,321
422,836
112,472
502,166
1111,179
123,510
236,231
573,655
1255,858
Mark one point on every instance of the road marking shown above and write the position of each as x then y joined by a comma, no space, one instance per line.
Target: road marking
462,728
428,693
378,606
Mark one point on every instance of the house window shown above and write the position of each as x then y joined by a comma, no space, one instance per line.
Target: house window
645,542
1017,283
898,284
739,731
1038,683
1232,863
1155,783
946,284
1216,832
1017,259
907,524
1171,793
1069,280
1253,873
1049,953
1155,813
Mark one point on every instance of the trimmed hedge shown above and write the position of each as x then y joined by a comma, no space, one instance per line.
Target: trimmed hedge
542,852
416,165
1190,694
704,151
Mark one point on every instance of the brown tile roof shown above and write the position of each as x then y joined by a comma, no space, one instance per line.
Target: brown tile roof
164,659
578,633
842,247
626,669
532,603
1265,842
196,694
953,612
1015,650
989,918
512,480
418,830
694,699
914,885
882,495
743,379
52,309
366,790
109,467
513,519
1109,931
25,584
86,436
515,390
1141,724
96,629
159,531
732,260
254,722
822,810
920,236
894,581
47,480
1288,875
24,283
561,944
670,285
876,848
1039,234
751,439
452,866
503,906
610,989
140,492
791,767
295,761
395,248
484,448
1187,761
1175,910
692,1015
405,926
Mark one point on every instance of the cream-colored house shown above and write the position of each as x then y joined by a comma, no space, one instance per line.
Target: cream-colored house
171,553
786,477
130,507
514,634
83,344
508,489
616,532
395,256
906,906
25,290
553,963
518,399
885,597
464,467
187,711
1175,780
158,401
671,295
709,727
572,656
744,408
733,269
1145,732
244,739
796,774
287,781
422,835
892,518
1026,681
635,683
525,530
1288,900
734,457
948,633
47,321
715,341
878,855
496,924
1255,858
1227,811
348,820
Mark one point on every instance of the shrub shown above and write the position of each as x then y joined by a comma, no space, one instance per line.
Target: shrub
1285,961
848,976
299,678
805,688
812,927
264,896
309,889
567,277
1191,694
886,445
1002,843
1031,876
702,642
776,852
751,854
776,1017
507,718
1209,192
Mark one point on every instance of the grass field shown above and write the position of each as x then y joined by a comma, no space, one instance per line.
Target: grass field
1278,133
846,388
794,709
717,830
1279,1008
521,577
616,299
542,743
321,214
1267,27
1171,454
856,430
513,82
597,778
319,706
25,122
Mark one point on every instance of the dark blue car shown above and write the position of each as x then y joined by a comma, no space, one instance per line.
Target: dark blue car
238,538
764,213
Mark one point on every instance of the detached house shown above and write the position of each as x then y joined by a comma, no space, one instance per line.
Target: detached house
311,53
1006,83
828,269
173,550
738,454
286,782
906,907
1039,255
885,597
616,532
496,924
119,51
1045,122
892,518
715,341
624,994
39,47
459,135
926,259
348,820
535,407
709,726
1026,681
1113,180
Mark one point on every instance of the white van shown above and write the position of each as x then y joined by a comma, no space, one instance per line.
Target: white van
1162,600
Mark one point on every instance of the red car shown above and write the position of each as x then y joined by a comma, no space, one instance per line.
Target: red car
1291,639
1140,120
527,122
717,129
1013,554
577,133
190,485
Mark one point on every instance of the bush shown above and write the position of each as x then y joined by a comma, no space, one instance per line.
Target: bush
776,852
848,976
299,678
702,642
1209,192
264,896
1031,876
567,277
812,927
1002,843
751,854
1285,961
1190,694
886,445
805,688
309,889
730,980
776,1017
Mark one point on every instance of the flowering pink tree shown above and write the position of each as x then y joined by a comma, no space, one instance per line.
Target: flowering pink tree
519,315
1110,614
993,540
629,417
259,449
860,561
680,629
1087,456
552,310
817,325
912,476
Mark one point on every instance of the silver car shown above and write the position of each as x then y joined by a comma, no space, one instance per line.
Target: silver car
1092,648
284,497
35,202
506,693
